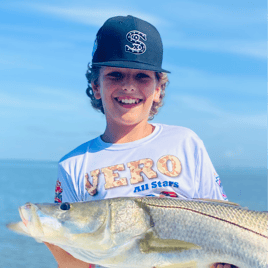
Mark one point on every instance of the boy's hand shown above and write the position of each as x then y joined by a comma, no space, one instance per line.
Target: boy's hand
66,260
222,265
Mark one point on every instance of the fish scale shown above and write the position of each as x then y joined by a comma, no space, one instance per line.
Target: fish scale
195,222
151,232
236,215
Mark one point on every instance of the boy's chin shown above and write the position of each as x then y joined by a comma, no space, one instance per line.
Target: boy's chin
130,121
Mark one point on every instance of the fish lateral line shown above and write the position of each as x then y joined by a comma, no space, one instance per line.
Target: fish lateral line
210,216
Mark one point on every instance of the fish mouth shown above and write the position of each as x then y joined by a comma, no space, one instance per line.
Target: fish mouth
24,215
30,219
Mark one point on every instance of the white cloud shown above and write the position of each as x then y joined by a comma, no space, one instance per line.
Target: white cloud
92,16
209,16
6,63
189,12
217,14
224,119
259,120
34,45
185,78
39,104
257,49
41,98
34,30
234,153
200,104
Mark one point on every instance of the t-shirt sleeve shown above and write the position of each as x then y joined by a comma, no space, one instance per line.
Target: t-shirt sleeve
208,181
65,190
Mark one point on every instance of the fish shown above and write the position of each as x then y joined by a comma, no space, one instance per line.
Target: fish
148,232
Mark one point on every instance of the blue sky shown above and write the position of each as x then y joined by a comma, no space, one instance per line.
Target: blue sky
215,50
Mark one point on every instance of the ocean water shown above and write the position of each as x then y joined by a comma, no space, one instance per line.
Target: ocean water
21,182
24,181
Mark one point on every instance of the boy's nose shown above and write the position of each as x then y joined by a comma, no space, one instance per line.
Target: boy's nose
128,85
128,89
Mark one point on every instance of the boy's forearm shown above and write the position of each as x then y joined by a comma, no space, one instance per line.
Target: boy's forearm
65,260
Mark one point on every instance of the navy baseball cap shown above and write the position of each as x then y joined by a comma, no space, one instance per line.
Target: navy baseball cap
128,42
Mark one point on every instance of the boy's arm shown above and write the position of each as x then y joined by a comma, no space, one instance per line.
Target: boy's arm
65,260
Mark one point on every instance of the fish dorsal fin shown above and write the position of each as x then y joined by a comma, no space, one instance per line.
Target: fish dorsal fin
217,201
151,243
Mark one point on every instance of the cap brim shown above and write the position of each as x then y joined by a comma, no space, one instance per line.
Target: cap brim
130,65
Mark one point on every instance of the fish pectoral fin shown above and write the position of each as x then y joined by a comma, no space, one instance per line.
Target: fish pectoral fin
152,243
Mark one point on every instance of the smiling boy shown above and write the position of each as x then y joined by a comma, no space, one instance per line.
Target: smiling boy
132,157
127,110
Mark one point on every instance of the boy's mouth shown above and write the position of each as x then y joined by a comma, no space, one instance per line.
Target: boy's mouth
128,102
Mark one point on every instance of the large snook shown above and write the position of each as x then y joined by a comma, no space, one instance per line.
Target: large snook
151,232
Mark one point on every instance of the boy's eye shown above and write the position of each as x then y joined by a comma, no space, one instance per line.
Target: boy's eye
142,75
116,75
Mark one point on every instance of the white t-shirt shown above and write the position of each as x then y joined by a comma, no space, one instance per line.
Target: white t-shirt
172,161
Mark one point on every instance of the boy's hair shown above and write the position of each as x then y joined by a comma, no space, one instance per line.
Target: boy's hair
92,75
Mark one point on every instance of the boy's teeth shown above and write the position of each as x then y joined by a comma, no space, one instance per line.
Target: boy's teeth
129,101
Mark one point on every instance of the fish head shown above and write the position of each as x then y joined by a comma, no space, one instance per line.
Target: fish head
101,226
64,223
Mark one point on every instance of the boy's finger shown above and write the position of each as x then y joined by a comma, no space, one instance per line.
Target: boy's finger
214,265
217,265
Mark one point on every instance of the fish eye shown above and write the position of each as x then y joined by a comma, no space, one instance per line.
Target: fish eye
65,206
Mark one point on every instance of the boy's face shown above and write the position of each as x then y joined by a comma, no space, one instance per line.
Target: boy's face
127,94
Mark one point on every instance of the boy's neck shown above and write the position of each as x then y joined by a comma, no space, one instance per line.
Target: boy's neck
124,134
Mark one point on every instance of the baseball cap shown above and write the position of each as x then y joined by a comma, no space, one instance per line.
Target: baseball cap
128,42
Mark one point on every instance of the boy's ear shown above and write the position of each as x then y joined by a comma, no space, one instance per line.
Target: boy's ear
157,93
96,90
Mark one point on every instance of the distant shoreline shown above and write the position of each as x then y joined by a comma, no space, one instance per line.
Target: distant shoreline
10,161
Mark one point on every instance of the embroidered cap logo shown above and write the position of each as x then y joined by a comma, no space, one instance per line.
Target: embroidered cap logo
138,46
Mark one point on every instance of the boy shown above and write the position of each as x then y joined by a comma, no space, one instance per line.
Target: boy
132,157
